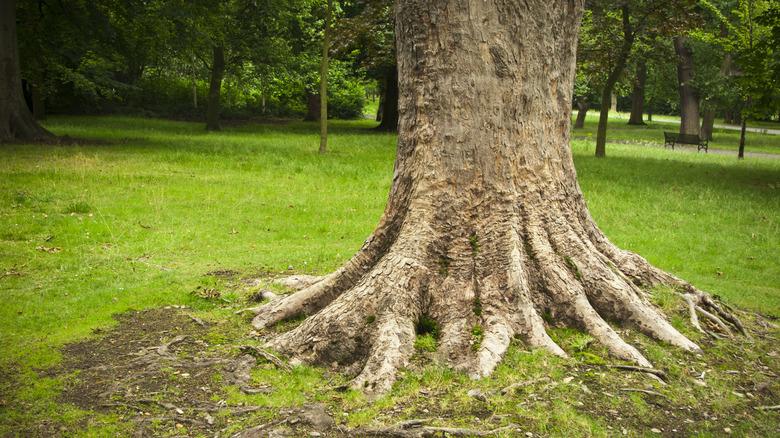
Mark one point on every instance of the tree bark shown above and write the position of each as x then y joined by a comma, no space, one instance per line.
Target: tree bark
741,153
638,94
707,123
486,228
390,103
312,107
16,121
324,80
582,110
689,100
612,78
215,88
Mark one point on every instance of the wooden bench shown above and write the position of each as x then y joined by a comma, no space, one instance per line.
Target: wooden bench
672,138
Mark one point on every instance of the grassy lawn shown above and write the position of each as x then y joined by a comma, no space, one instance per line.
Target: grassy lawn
139,213
653,133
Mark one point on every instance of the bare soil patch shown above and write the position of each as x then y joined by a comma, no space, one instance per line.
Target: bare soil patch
158,371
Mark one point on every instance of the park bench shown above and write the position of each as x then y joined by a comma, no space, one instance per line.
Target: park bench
672,138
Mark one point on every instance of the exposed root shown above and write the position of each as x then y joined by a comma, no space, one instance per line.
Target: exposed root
482,289
391,350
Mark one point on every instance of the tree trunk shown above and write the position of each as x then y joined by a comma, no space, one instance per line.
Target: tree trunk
215,88
742,130
38,103
650,114
16,121
194,94
312,107
582,110
486,229
689,101
614,75
380,107
707,123
390,104
638,94
613,105
324,81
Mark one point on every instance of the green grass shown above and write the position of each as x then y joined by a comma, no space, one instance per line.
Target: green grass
135,216
653,133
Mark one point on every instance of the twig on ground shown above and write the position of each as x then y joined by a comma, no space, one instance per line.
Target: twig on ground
416,428
258,353
644,391
517,385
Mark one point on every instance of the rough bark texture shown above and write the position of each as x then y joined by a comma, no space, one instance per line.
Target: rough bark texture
582,111
390,102
486,229
16,121
689,100
215,88
638,94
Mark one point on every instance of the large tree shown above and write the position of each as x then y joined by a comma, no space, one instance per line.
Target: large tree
486,231
16,120
689,98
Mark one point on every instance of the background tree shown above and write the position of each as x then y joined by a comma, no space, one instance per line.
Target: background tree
367,31
689,98
486,229
16,121
614,26
324,77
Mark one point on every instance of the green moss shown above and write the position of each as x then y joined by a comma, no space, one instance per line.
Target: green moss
474,243
573,267
477,335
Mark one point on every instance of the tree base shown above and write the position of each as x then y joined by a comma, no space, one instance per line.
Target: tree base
523,273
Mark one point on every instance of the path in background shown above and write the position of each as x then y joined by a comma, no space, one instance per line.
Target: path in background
749,154
671,119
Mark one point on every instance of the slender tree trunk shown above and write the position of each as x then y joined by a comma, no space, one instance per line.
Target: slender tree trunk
614,75
582,110
689,101
742,130
638,94
194,94
390,104
215,88
486,228
16,121
613,105
649,114
324,81
380,107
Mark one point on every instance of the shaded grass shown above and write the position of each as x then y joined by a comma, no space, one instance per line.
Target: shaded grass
147,207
